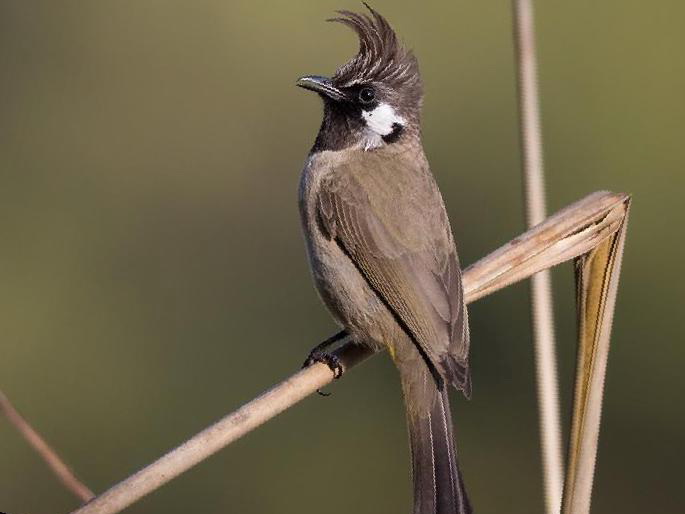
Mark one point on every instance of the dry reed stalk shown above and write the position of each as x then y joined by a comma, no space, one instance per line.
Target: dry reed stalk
56,464
542,308
570,233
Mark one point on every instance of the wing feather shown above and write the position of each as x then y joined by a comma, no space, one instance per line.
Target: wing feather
399,239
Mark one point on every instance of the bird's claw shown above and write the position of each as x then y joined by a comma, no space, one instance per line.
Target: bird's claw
329,360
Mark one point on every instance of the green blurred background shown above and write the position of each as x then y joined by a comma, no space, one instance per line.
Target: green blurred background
153,276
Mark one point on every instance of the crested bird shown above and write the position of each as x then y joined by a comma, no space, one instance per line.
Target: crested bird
381,249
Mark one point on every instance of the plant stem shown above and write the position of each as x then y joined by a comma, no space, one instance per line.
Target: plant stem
541,287
571,232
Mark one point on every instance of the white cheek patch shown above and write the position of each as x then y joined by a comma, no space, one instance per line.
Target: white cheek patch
382,119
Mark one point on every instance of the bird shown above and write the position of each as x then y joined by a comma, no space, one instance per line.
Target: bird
381,249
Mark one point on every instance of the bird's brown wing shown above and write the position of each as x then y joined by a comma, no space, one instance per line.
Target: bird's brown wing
387,215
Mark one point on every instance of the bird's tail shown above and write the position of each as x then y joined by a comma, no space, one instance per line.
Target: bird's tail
438,484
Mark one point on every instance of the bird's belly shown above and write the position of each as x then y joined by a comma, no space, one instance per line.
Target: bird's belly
340,285
346,293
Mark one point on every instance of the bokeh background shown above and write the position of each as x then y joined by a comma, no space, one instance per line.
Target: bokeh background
153,276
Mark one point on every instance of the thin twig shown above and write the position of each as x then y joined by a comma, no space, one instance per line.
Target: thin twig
59,468
541,286
566,235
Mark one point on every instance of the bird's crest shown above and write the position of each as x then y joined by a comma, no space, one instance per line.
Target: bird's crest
381,56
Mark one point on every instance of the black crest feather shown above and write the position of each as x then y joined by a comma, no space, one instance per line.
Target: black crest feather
381,56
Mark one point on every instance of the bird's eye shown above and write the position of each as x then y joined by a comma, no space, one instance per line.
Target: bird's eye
367,95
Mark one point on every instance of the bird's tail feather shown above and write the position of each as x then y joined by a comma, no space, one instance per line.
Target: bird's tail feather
438,484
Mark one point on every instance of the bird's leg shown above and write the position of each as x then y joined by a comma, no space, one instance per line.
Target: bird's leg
319,354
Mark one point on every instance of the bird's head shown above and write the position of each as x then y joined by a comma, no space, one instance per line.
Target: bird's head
374,99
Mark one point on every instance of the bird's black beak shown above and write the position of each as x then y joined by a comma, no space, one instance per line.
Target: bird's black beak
321,85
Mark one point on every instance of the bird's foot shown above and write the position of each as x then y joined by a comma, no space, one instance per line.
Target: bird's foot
329,360
318,354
